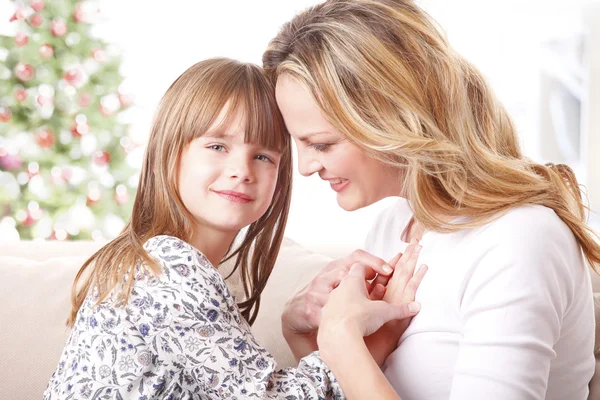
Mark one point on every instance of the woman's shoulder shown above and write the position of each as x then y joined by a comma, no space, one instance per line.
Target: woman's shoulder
534,239
397,213
530,224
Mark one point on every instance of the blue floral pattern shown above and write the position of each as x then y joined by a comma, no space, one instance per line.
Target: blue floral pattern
180,336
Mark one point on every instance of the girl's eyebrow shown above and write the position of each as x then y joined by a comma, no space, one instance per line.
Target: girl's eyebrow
218,134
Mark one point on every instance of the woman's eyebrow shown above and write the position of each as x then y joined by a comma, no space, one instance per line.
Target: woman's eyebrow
306,136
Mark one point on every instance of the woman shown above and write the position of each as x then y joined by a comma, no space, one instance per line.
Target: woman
380,105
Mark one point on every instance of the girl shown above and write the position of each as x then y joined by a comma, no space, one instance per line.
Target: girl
380,105
152,318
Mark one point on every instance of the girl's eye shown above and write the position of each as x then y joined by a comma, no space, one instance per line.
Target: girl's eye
320,146
217,147
264,158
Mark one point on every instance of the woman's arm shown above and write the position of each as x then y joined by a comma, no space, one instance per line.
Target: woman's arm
348,316
513,308
346,354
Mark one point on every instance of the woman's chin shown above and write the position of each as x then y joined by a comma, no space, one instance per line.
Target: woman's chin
349,203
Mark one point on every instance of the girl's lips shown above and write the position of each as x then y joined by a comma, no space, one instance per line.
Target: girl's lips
236,197
338,187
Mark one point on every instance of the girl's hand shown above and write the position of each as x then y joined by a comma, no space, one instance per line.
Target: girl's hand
350,308
302,312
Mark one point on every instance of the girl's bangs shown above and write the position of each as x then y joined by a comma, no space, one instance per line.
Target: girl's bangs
247,92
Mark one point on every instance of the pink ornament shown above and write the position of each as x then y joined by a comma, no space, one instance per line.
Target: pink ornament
11,161
105,111
18,15
59,27
66,174
84,100
93,196
5,114
73,76
101,158
46,51
38,5
125,100
21,95
44,138
59,235
24,72
78,14
36,20
44,100
99,55
29,220
21,39
79,130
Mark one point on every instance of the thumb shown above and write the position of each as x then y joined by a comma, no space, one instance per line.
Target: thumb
389,311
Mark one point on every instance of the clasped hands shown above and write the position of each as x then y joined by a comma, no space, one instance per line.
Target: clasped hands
360,292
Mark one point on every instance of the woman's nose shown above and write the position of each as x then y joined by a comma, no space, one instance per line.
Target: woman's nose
308,165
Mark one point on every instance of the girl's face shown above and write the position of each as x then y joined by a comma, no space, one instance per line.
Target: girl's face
358,179
224,183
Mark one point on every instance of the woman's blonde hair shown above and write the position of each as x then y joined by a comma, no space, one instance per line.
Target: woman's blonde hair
187,111
385,76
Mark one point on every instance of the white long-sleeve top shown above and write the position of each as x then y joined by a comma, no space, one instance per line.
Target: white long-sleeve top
507,310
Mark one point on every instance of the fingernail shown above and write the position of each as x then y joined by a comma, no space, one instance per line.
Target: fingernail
414,307
418,249
387,268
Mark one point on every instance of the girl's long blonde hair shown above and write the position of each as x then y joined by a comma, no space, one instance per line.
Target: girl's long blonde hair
385,76
187,110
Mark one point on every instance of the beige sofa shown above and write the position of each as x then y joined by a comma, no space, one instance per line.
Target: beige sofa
35,281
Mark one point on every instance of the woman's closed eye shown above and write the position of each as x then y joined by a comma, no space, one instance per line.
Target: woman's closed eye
319,146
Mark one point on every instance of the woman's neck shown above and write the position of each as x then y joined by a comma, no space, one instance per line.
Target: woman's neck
414,230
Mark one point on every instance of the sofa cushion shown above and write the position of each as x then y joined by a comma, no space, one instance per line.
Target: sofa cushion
35,298
295,267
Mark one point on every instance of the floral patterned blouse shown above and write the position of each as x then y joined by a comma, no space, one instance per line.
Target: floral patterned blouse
180,336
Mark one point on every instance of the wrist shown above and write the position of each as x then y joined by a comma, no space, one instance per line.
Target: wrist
334,339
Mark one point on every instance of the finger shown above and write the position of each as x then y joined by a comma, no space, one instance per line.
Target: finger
414,283
405,310
326,282
395,260
382,279
381,312
378,292
376,263
398,311
409,251
358,276
317,298
405,268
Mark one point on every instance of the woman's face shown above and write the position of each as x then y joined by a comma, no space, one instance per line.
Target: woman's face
358,179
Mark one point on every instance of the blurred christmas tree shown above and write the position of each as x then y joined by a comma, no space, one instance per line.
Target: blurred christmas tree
63,173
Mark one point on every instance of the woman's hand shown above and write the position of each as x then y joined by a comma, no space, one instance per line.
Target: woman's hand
302,311
349,315
401,288
350,307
